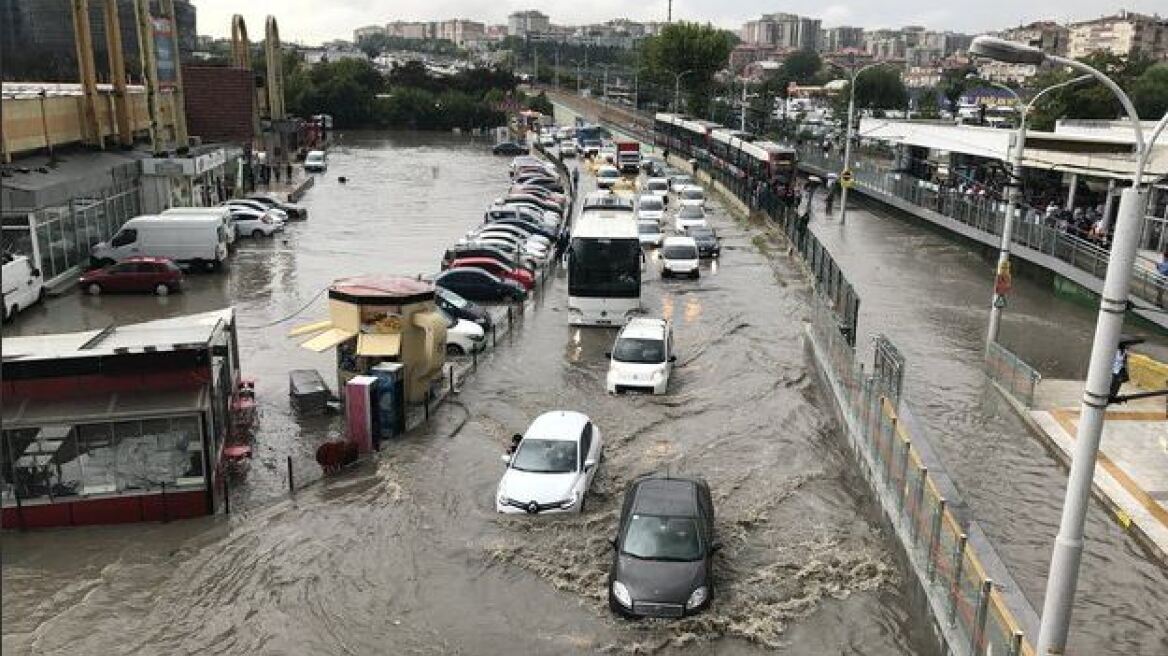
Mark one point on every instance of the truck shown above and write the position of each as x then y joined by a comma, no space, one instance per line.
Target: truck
628,156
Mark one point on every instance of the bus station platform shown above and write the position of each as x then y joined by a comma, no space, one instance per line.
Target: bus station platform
1131,473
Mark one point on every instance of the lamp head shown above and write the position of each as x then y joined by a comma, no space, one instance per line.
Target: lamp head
1006,51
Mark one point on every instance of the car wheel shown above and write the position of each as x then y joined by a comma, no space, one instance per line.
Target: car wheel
210,265
256,234
584,502
94,289
162,289
41,295
9,314
454,349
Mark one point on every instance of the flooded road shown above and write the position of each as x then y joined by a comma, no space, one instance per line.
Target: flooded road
406,555
930,295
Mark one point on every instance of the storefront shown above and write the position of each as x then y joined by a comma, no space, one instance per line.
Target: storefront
117,425
205,179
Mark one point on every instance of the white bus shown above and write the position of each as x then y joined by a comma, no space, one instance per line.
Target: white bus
604,268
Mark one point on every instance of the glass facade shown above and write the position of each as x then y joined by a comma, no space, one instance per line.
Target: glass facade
114,457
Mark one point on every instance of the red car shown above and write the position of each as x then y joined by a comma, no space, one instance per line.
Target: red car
157,275
494,267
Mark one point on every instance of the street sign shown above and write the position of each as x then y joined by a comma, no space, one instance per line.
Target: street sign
846,179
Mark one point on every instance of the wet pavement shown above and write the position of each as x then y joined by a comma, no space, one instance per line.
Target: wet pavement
407,554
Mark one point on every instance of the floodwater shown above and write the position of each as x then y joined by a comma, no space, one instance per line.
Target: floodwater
406,555
930,295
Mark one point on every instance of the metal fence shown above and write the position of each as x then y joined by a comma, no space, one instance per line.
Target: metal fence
988,215
1011,373
975,613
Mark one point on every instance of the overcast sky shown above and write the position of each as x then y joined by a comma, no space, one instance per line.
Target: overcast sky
313,21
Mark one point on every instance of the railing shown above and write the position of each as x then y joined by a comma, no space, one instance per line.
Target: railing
976,614
988,215
1012,373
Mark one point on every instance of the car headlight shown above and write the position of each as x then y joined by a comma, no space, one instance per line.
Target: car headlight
572,499
657,376
505,500
621,593
697,598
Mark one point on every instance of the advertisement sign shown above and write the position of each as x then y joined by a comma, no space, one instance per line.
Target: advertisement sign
165,58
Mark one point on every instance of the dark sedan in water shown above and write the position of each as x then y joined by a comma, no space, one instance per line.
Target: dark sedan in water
707,240
663,552
460,308
478,285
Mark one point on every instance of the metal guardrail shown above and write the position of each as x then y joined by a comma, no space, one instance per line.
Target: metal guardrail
988,215
976,614
1012,373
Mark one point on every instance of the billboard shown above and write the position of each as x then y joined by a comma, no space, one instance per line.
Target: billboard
165,57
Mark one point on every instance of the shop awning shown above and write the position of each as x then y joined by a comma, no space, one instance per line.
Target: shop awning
386,345
328,339
98,407
310,328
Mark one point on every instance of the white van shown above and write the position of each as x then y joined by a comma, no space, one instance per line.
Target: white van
315,161
23,284
197,239
222,212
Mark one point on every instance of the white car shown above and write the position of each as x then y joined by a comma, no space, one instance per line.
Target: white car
547,140
23,284
315,161
642,357
692,195
463,337
259,207
657,186
567,148
678,182
254,223
551,466
650,208
608,153
649,233
689,216
679,257
607,176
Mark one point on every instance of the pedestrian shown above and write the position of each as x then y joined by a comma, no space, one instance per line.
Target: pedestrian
665,155
1162,267
276,170
288,172
575,178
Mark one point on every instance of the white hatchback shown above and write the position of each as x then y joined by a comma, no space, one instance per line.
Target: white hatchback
691,195
650,208
689,216
642,357
551,466
607,176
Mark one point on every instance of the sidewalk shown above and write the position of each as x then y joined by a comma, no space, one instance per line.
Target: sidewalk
1131,475
291,190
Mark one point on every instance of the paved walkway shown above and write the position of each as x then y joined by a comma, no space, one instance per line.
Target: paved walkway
1131,475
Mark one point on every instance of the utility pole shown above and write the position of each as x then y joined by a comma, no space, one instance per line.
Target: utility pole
669,13
556,70
742,126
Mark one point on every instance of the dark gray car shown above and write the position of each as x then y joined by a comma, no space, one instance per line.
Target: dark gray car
663,551
707,241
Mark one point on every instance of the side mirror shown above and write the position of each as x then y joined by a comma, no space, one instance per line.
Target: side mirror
716,547
612,542
608,354
589,464
506,458
35,273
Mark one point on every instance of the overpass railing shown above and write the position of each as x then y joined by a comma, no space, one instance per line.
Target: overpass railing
988,215
1012,373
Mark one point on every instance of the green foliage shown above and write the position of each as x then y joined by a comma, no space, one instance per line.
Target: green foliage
1149,92
877,89
802,67
927,104
1089,100
357,95
702,49
540,104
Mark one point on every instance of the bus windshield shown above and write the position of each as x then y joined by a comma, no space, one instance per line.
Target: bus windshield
605,268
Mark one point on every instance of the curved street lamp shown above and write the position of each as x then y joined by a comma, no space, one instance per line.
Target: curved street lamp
1068,546
677,88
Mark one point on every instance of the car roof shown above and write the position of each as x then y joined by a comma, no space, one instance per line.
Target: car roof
147,259
679,241
653,197
644,328
477,260
692,188
475,270
558,424
677,497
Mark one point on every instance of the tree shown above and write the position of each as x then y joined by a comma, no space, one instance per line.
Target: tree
1090,100
881,88
1149,92
802,67
927,104
701,49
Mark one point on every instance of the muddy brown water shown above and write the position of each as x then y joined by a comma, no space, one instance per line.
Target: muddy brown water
407,555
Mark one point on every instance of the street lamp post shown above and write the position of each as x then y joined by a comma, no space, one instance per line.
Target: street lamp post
605,67
577,63
1068,546
998,301
677,88
853,74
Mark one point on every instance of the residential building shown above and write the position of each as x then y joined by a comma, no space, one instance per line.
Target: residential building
922,55
835,39
410,30
367,31
921,77
522,23
461,31
744,54
1048,36
496,32
1006,73
784,31
1123,34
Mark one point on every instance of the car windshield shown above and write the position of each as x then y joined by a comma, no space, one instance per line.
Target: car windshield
652,204
679,252
692,194
545,456
453,299
648,228
700,233
682,179
658,185
691,212
639,351
608,173
651,537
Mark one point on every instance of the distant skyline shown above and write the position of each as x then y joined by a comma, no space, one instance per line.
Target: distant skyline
314,21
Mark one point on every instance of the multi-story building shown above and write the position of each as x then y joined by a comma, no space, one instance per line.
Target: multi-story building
410,30
835,39
745,53
461,31
522,23
922,55
367,31
1048,36
1006,73
1123,34
496,32
37,41
783,31
922,77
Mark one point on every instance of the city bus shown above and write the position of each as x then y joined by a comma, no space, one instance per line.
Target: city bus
604,269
